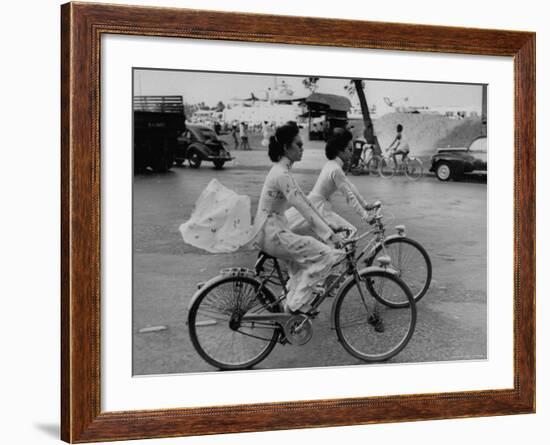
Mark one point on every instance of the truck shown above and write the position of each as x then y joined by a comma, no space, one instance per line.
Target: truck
158,123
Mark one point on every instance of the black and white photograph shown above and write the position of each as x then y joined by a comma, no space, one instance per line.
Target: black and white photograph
287,221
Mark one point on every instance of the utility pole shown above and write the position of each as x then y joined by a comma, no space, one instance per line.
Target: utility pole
484,109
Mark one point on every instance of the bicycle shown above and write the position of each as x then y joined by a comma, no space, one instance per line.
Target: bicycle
363,159
235,320
411,166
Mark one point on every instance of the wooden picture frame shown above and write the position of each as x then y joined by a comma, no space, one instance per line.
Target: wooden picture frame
82,26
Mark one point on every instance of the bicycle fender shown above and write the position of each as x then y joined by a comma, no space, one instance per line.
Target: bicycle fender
202,286
394,236
346,283
224,273
373,249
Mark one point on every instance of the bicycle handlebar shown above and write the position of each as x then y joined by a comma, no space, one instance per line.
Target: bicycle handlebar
377,216
376,205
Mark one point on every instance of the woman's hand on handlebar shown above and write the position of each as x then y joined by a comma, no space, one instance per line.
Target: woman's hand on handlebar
370,219
341,234
370,207
343,230
373,206
337,240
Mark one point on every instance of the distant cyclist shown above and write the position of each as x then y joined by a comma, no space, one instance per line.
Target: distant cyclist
399,146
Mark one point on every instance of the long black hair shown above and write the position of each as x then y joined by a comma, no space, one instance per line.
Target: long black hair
284,135
337,142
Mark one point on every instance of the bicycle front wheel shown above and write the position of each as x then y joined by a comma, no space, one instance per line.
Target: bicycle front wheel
386,167
217,332
411,263
369,329
414,169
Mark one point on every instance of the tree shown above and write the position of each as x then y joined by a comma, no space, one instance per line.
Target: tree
311,83
220,106
357,86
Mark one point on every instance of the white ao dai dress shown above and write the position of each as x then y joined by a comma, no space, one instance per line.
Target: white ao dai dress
308,260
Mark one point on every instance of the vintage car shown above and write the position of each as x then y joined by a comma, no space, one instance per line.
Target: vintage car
455,162
200,143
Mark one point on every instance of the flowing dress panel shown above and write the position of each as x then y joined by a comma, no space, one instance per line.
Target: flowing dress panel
220,220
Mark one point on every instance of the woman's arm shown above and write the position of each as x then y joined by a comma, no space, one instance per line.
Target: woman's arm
297,199
352,195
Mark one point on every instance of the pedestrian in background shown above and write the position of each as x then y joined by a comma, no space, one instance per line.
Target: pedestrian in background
234,135
265,134
243,132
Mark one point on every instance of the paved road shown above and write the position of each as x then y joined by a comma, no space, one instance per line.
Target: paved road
449,219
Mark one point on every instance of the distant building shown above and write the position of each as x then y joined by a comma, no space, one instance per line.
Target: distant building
325,112
455,112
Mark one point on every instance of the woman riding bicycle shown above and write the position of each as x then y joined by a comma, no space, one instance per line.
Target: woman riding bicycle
332,178
308,260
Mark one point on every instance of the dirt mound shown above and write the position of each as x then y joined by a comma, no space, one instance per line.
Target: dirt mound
425,132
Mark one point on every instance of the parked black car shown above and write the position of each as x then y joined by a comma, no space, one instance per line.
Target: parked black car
453,163
201,143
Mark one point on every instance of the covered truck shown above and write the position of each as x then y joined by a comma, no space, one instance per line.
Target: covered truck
158,122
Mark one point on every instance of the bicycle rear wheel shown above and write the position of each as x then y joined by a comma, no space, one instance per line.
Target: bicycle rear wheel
216,329
386,167
369,329
412,264
414,169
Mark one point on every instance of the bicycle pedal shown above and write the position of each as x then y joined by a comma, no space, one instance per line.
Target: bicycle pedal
379,327
283,341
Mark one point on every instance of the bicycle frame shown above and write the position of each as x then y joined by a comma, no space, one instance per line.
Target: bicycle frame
351,272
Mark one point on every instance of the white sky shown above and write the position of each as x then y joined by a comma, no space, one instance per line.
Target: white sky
212,87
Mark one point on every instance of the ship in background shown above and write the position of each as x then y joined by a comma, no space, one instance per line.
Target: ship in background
276,105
